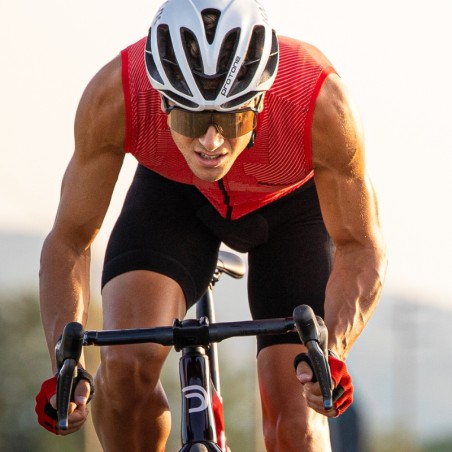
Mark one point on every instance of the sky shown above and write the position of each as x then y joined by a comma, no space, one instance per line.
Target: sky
395,57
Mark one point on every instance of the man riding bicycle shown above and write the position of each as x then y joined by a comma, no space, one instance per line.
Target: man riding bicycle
242,137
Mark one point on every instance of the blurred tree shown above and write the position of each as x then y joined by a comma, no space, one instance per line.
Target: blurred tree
25,364
440,445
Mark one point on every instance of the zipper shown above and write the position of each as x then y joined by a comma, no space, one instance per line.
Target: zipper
226,199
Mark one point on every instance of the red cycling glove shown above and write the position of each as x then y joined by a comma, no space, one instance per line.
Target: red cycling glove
343,386
47,415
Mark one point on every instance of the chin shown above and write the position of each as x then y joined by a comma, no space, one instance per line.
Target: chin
212,175
209,177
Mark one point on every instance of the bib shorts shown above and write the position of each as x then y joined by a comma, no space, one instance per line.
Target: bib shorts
172,229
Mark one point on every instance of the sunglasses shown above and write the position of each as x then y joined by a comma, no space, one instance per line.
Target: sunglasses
194,124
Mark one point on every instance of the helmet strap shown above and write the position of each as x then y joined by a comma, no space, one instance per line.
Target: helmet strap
252,139
258,107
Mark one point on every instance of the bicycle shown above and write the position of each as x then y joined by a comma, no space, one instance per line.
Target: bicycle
202,422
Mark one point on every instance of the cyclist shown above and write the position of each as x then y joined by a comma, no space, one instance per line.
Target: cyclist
241,137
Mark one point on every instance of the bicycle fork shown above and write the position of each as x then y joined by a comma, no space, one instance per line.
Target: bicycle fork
198,398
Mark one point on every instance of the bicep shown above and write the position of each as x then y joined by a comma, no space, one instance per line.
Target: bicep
86,192
91,175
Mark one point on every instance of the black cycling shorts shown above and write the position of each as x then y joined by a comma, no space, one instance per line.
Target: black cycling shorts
171,228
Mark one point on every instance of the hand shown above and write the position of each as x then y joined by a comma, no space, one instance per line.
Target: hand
46,406
342,388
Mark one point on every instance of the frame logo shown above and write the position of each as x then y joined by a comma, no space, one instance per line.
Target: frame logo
200,393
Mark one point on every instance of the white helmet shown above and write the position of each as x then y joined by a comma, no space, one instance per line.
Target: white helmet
211,54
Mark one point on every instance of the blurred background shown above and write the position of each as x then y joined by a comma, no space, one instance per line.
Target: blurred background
395,57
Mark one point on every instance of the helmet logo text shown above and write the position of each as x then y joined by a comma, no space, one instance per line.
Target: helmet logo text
159,14
262,11
230,78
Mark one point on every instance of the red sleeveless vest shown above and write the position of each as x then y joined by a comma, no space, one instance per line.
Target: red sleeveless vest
280,160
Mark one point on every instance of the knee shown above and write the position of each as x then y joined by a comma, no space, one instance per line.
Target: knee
310,433
130,372
278,433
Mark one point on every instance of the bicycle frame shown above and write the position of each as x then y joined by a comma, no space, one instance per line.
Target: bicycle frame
198,423
202,417
202,426
202,420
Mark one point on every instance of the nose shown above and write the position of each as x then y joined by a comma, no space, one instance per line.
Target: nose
212,139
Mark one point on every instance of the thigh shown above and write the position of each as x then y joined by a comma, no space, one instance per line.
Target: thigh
139,299
158,231
293,266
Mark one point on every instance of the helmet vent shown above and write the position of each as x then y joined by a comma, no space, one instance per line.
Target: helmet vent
210,18
169,61
179,99
272,62
150,63
191,48
209,85
238,101
252,61
227,51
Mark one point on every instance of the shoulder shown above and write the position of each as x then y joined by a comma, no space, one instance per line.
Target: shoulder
292,49
301,71
286,43
137,47
337,133
100,113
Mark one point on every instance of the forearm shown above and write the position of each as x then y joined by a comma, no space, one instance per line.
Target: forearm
64,288
352,294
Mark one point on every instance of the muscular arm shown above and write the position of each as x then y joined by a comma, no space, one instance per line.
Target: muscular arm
85,196
349,209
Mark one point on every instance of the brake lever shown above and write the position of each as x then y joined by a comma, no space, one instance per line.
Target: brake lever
68,351
314,335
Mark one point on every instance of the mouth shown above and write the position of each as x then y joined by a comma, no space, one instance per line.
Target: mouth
209,156
210,160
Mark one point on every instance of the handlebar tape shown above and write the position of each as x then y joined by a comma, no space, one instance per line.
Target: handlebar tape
314,335
68,351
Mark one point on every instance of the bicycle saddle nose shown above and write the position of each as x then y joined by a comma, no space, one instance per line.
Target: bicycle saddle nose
231,264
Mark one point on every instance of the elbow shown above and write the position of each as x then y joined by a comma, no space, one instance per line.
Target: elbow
60,250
